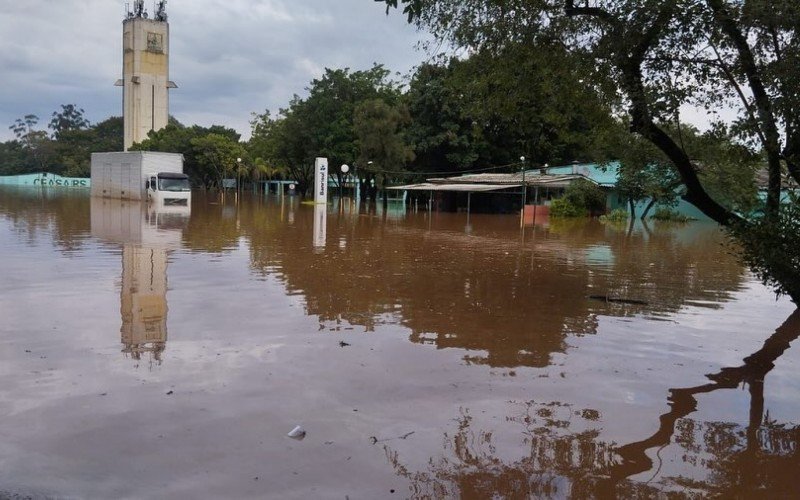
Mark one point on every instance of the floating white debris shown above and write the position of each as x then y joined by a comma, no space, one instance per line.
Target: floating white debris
297,433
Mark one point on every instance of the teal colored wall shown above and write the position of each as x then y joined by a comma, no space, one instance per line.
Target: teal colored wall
606,175
45,180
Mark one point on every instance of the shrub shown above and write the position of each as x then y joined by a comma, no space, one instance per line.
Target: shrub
580,198
616,215
666,214
562,207
587,195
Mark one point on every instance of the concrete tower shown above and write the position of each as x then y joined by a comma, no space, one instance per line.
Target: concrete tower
145,72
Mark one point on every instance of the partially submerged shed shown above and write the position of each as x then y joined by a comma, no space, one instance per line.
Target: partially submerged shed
505,193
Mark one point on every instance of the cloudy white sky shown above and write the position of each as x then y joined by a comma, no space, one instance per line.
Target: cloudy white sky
229,57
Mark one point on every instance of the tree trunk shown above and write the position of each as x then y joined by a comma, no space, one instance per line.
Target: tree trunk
647,209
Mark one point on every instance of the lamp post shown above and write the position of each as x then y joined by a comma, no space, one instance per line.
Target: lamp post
344,169
238,173
524,187
524,193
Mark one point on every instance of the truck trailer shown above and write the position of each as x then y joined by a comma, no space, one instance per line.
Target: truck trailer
141,175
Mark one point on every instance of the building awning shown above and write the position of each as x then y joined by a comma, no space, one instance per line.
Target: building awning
430,186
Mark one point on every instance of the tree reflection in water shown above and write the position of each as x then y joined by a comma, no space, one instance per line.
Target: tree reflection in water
566,459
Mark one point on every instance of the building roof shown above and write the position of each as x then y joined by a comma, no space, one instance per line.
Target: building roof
454,186
530,178
551,177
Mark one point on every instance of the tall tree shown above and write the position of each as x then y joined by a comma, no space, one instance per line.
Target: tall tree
217,156
379,128
69,118
36,143
321,125
441,131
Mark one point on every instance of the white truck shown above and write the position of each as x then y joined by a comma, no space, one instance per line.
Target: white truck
141,175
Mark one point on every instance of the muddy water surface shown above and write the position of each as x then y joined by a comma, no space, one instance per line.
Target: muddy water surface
167,355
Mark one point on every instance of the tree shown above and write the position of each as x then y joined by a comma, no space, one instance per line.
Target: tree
643,173
69,118
13,158
36,144
67,153
177,138
379,129
321,125
217,154
471,112
661,55
441,130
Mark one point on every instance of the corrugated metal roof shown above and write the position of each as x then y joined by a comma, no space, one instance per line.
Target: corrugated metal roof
554,180
494,182
441,186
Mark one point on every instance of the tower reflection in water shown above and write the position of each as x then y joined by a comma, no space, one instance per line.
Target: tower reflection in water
147,236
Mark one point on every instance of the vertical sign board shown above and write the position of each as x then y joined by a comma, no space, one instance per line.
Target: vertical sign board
321,180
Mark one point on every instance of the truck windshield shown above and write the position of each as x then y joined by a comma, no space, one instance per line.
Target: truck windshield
167,184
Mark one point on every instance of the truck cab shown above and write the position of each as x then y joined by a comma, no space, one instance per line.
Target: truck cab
166,189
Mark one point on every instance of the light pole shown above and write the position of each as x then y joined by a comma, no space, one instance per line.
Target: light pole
524,193
524,187
238,173
344,169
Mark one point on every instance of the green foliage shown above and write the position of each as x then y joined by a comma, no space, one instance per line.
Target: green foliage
379,128
67,153
472,112
616,215
321,125
644,173
667,214
441,131
771,248
562,207
217,157
727,168
70,118
588,195
206,150
581,198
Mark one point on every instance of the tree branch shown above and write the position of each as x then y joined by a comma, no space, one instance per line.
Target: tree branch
751,71
732,79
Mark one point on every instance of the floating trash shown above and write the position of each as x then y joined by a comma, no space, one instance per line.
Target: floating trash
297,433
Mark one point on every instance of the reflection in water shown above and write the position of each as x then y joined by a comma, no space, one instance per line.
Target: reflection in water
144,301
63,213
320,226
566,459
146,236
766,452
487,296
508,301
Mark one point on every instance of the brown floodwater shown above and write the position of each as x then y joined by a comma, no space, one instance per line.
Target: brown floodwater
167,355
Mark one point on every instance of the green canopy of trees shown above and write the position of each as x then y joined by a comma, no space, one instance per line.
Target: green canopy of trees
66,151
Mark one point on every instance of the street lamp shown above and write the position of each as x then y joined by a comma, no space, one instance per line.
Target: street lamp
238,173
524,187
344,169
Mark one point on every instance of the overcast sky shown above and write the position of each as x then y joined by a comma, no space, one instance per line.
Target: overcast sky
228,57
